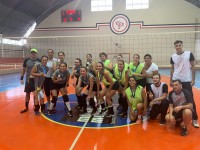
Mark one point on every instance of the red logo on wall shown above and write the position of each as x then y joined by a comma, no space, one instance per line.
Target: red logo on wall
119,24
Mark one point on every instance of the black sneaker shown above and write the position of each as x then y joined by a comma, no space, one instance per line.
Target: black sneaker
83,112
162,122
109,114
50,112
132,122
102,111
45,112
120,113
70,113
24,110
119,107
94,111
124,116
183,131
77,107
37,113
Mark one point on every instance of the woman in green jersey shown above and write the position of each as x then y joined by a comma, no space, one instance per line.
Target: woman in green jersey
137,100
121,75
110,88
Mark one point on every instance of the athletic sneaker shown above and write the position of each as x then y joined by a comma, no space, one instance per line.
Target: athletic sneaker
124,116
133,121
70,113
50,112
109,114
102,111
24,110
119,107
77,107
183,131
195,123
120,113
44,112
83,112
162,122
37,113
94,111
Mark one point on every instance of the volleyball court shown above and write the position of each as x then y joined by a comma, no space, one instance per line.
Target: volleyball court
159,45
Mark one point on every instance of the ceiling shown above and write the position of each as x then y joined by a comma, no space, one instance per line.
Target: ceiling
17,16
194,2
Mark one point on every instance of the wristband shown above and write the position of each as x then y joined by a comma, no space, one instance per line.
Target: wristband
21,78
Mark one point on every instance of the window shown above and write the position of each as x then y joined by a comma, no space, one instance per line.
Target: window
137,4
101,5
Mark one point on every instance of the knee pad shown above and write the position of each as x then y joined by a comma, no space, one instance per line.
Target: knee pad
65,98
54,99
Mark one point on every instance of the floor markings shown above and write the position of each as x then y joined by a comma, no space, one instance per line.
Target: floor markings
79,134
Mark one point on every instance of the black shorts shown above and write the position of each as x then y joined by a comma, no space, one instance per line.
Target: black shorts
29,85
142,82
115,86
178,115
59,86
94,89
48,85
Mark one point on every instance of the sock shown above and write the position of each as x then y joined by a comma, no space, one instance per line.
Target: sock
103,106
26,104
68,105
51,106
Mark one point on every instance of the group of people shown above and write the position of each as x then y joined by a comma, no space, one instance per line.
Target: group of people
138,85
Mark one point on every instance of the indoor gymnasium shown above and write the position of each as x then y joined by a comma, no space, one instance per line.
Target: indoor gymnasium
99,74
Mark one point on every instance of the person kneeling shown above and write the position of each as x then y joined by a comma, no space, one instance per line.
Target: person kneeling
180,107
137,101
158,95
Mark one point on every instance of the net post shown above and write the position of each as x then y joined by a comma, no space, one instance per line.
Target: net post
1,39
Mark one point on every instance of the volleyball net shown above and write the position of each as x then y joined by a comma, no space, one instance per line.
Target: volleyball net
159,45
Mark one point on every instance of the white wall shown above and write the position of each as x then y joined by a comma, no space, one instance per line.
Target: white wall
161,12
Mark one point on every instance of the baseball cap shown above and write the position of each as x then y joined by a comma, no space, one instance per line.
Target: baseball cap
33,50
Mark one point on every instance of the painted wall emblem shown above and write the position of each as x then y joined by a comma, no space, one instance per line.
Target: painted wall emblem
119,24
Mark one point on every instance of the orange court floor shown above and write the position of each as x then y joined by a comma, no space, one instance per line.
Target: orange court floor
30,132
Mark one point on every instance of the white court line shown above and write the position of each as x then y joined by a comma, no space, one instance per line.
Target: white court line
79,134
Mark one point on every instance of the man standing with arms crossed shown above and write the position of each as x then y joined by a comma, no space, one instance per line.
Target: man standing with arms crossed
183,66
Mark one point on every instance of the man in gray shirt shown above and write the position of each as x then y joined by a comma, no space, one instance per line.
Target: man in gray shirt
29,80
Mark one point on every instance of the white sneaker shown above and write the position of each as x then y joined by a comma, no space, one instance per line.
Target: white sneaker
195,123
